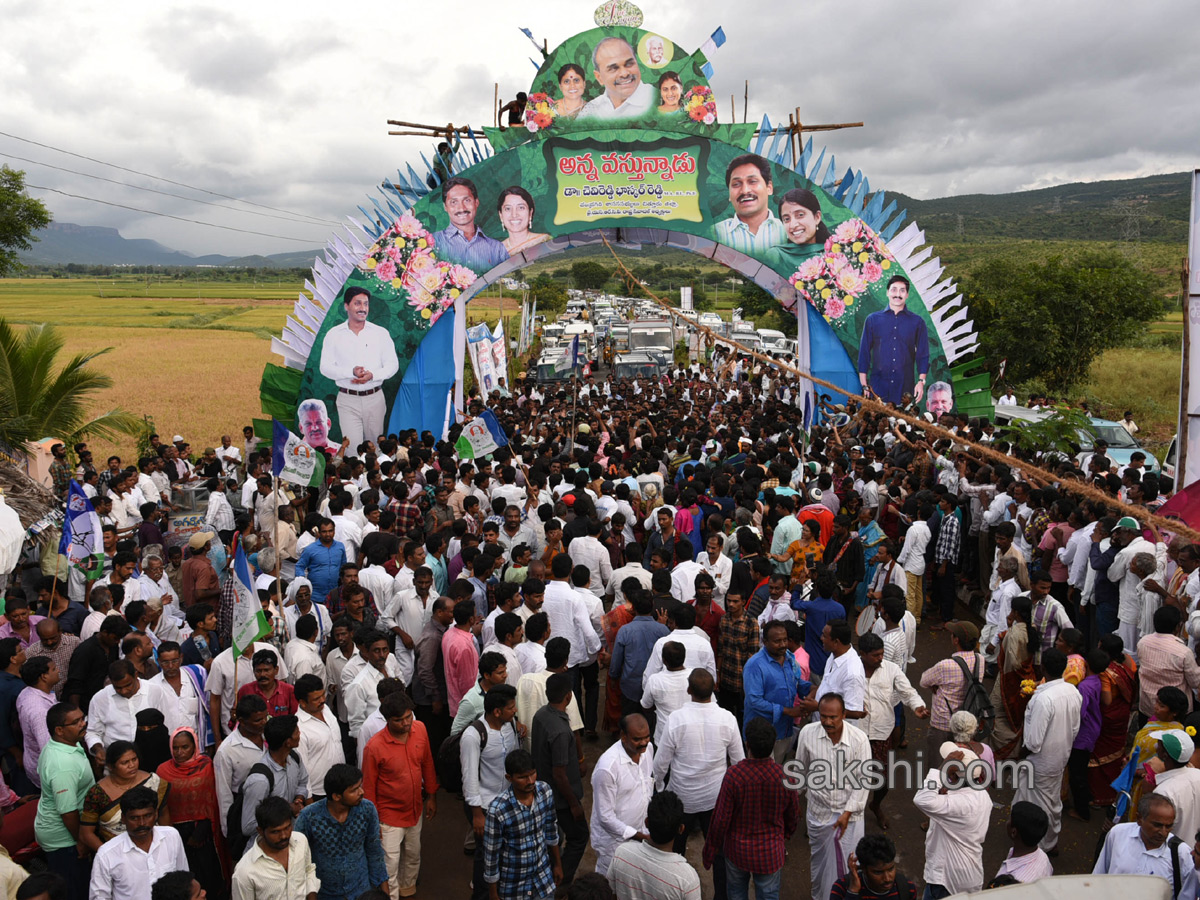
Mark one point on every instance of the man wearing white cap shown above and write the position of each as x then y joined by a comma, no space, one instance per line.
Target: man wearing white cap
1179,782
1052,721
1128,536
958,824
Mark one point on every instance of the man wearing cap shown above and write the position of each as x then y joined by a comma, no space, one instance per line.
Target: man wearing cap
1128,536
198,578
359,356
1145,847
1179,782
958,823
1052,721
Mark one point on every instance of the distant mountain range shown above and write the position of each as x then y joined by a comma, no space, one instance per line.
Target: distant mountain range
1149,209
62,243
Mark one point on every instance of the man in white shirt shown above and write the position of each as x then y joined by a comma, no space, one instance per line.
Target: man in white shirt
360,692
653,866
567,613
700,742
260,873
509,633
844,674
667,691
359,356
127,866
835,814
719,566
683,576
1052,721
320,735
531,652
112,715
590,553
1146,847
622,783
1128,536
230,456
224,677
633,568
1179,782
626,96
406,616
912,560
696,643
302,655
996,617
958,823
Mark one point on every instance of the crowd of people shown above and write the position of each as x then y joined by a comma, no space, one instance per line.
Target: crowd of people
726,604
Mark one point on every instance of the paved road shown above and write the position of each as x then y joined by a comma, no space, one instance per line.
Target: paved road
446,871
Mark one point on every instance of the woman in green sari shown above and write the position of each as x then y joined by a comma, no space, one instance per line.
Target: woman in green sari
800,213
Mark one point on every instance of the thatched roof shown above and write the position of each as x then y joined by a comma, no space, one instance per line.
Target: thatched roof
32,501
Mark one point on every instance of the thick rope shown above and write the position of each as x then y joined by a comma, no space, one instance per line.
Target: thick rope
1082,489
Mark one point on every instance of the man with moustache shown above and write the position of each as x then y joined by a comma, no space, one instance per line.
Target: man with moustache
752,228
894,340
118,870
461,241
625,96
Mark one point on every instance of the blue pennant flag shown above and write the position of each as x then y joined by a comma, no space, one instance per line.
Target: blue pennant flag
493,425
718,37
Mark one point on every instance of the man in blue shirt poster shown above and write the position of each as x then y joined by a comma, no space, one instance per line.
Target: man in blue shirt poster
894,341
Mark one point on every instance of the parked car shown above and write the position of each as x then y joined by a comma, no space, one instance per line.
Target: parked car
1121,444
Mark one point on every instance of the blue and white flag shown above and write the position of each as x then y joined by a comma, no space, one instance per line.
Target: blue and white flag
494,428
82,540
570,358
293,460
715,40
249,620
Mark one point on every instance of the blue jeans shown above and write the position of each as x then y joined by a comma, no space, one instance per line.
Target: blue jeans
737,884
934,892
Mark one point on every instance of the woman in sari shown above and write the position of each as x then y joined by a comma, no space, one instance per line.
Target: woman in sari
1070,642
800,213
1015,663
100,819
194,813
571,81
797,551
1170,708
1117,694
613,621
871,536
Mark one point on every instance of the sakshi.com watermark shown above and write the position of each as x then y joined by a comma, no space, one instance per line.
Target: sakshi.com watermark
842,773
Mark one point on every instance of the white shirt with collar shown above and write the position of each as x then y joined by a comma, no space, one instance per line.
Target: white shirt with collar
587,551
886,686
320,747
665,692
112,717
303,658
372,348
1125,853
845,675
123,871
231,764
814,744
637,571
361,698
721,572
683,580
187,704
621,791
532,656
958,824
569,618
700,742
257,875
698,653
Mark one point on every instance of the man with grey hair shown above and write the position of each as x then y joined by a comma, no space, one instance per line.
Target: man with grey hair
155,585
996,618
1149,590
625,95
313,417
1146,847
939,399
1128,536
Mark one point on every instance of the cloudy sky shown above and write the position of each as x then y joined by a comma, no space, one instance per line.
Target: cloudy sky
285,105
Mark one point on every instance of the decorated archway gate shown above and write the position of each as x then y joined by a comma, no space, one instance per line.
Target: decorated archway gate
621,138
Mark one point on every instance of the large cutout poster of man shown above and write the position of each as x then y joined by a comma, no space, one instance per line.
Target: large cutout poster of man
753,228
359,356
625,95
894,342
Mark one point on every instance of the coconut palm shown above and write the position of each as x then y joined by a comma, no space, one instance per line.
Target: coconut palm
39,399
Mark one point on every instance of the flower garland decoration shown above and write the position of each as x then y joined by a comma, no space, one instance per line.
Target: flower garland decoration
404,260
1028,686
539,112
855,258
701,105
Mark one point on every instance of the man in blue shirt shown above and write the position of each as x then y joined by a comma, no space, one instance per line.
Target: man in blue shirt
816,614
321,563
634,643
893,341
461,241
774,687
343,836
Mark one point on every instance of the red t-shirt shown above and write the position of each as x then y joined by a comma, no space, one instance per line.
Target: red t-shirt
281,703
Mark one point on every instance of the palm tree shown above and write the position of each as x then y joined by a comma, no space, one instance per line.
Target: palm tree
38,399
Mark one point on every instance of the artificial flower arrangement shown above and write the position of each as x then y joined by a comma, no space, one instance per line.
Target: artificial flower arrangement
701,105
855,258
539,112
403,259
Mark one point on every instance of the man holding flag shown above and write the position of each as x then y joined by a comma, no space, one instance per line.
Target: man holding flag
82,540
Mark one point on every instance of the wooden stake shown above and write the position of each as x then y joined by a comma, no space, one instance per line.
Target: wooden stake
496,103
746,102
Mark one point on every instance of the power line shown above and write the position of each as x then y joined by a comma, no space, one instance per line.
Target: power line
138,187
167,180
282,237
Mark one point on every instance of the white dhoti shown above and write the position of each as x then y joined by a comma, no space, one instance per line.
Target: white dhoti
989,641
1129,633
407,660
360,418
1046,792
824,843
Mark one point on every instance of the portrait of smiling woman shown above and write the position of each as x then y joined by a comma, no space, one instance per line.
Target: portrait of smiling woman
515,208
800,213
571,81
670,91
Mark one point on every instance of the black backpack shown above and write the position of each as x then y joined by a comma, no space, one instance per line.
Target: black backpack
233,819
449,762
976,700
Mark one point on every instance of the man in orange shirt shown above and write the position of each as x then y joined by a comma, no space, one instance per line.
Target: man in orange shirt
399,778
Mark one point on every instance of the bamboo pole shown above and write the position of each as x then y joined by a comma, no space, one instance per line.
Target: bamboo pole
1141,514
746,102
1183,427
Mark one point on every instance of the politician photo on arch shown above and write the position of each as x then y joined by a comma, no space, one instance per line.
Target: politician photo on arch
893,352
